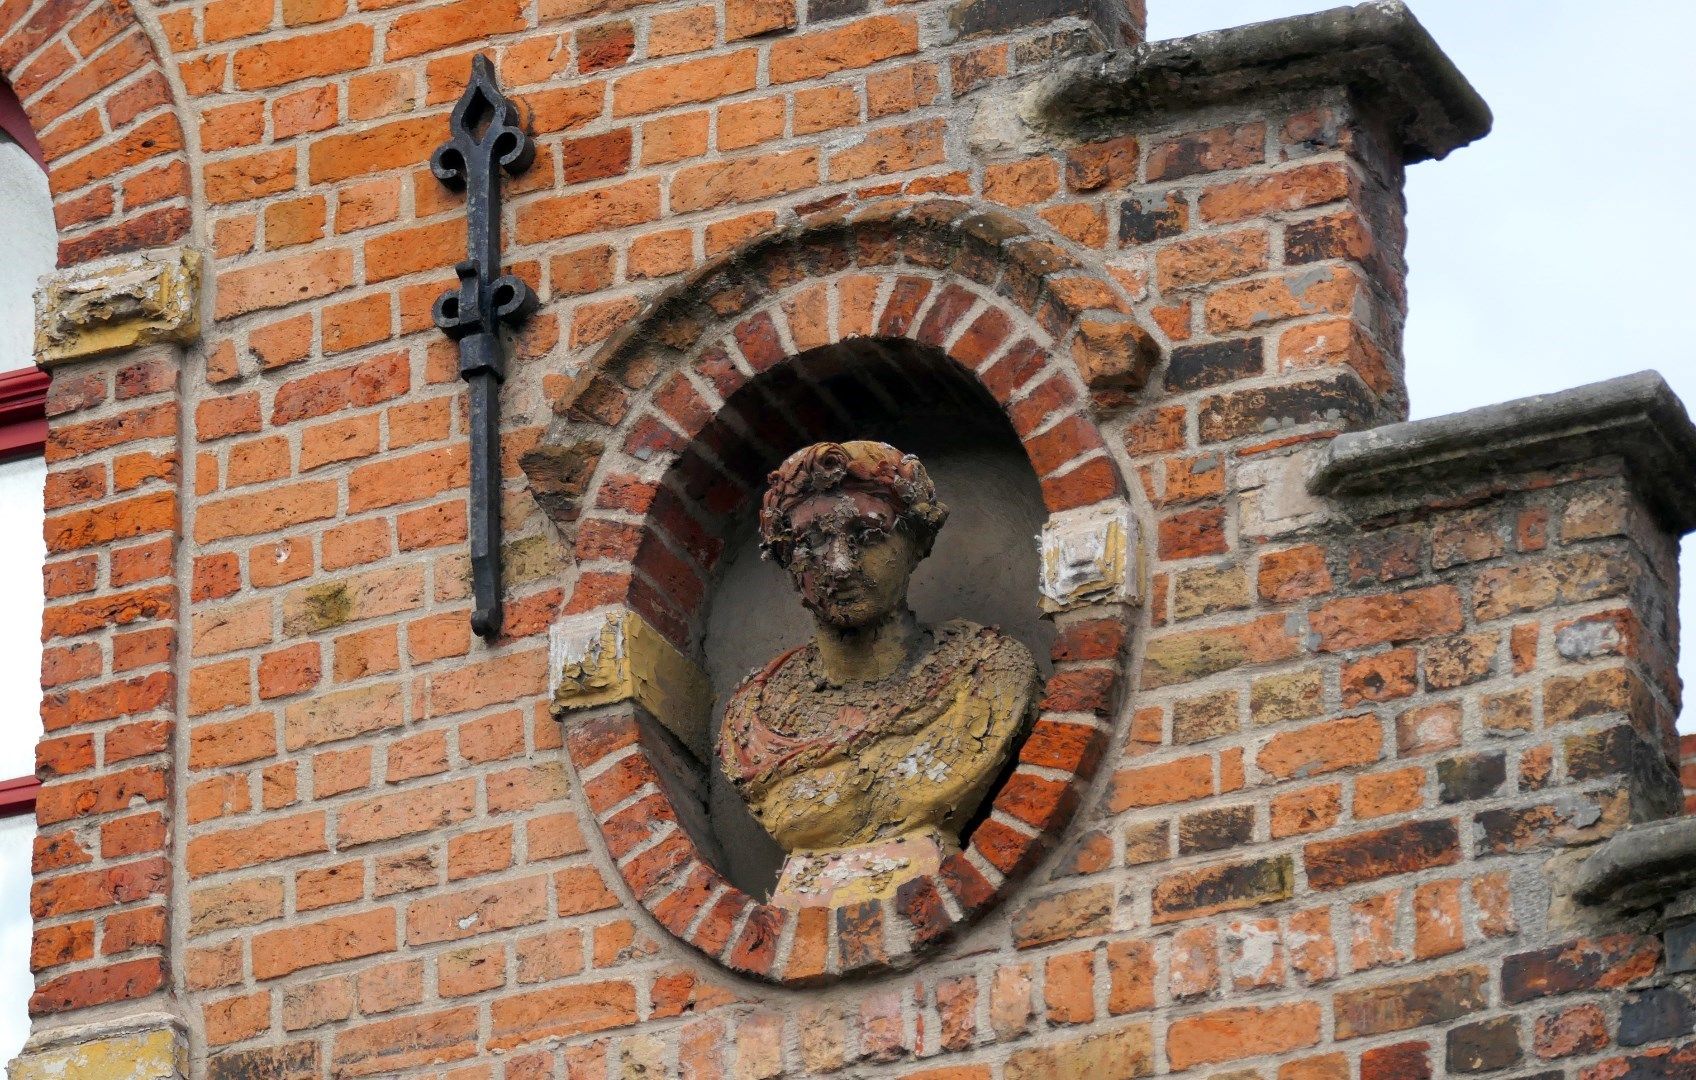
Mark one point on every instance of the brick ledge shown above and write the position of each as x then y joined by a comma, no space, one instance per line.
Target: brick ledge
1647,865
148,1045
1637,417
1379,51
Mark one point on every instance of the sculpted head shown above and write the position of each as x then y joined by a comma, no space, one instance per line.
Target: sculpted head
850,521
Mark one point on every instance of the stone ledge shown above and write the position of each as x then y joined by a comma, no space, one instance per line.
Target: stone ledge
140,1046
1636,417
1089,555
1379,51
118,303
604,657
1647,865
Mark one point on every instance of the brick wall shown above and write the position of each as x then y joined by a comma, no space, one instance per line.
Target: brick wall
109,677
1687,770
1304,813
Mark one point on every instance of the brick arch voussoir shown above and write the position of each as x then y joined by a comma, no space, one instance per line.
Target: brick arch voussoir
1086,313
110,127
713,441
660,404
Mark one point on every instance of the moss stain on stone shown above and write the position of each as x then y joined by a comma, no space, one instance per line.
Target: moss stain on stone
327,606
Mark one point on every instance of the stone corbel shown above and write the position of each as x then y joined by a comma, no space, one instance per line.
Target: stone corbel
143,1046
116,304
1090,555
602,658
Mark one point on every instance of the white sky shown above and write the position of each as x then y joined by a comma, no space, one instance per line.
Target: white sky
1554,252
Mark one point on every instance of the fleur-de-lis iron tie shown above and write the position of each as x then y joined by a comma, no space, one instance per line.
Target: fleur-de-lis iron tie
488,137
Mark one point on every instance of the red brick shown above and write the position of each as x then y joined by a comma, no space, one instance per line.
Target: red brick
1233,1034
856,44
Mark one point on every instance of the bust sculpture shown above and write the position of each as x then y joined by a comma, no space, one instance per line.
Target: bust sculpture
864,751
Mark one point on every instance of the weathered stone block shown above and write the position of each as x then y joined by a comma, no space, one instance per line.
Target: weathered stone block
603,657
146,1046
117,304
1089,555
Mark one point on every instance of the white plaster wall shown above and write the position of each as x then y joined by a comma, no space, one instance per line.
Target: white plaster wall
28,249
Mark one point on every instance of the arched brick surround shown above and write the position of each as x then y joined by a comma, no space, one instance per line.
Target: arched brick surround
92,84
676,466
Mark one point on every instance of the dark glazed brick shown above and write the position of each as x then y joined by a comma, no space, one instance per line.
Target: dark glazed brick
825,10
1435,999
1143,221
1587,964
1195,367
1485,1046
1215,830
1617,751
1569,820
1681,948
296,1062
1343,402
1230,887
1338,236
1472,776
1654,1015
1208,151
1384,557
974,17
1401,849
859,935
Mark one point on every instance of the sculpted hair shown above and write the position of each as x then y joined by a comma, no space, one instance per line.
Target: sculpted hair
861,465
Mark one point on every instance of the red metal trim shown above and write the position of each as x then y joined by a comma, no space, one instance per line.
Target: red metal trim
15,122
23,412
18,796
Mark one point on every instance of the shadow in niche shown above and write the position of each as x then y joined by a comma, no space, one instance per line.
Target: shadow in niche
984,567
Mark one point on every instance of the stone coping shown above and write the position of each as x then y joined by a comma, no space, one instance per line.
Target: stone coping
150,1045
1637,417
1646,865
1379,51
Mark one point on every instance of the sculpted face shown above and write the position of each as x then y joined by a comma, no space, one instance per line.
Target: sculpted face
850,561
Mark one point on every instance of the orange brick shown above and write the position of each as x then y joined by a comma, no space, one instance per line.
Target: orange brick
283,281
443,25
304,56
347,937
853,45
1233,1034
683,83
706,187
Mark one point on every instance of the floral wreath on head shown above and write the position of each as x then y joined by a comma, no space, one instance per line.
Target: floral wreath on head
861,465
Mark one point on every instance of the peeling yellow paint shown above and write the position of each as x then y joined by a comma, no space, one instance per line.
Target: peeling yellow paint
118,304
1088,555
625,659
155,1054
867,787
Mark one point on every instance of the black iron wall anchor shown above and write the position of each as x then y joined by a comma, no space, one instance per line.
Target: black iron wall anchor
487,133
